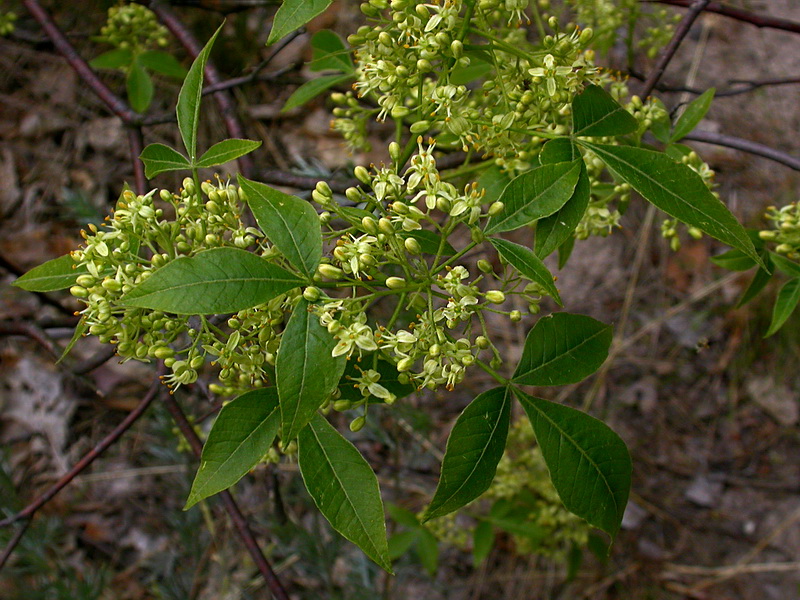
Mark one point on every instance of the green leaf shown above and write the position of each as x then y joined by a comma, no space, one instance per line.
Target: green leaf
80,330
693,114
565,250
140,87
162,63
474,448
527,263
596,113
493,181
734,260
661,126
344,488
427,549
56,274
559,150
226,151
292,15
476,69
113,59
759,281
241,436
216,281
677,190
563,348
188,107
400,543
784,265
305,371
158,158
785,303
482,542
312,89
403,516
430,241
290,223
589,464
538,193
329,53
553,231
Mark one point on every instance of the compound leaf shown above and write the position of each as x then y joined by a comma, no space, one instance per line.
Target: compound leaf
329,53
536,194
596,113
561,149
113,59
677,190
163,63
225,151
306,372
589,464
527,263
158,158
474,448
241,436
563,348
56,274
344,488
216,281
188,107
292,15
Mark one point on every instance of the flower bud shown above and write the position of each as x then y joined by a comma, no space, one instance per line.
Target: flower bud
484,266
496,208
405,364
358,423
412,246
401,208
329,271
385,226
342,405
385,39
495,296
395,151
86,281
362,174
370,225
165,195
420,127
395,283
515,316
311,293
79,291
457,48
482,342
353,195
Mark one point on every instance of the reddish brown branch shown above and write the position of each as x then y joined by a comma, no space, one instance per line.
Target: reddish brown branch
720,139
224,101
13,543
29,330
739,14
88,458
697,6
239,522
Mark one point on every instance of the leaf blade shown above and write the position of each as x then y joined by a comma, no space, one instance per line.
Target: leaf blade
305,370
553,231
589,464
53,275
313,88
785,303
226,151
677,190
527,263
139,86
158,158
535,194
292,15
693,114
216,281
474,448
188,107
563,348
240,437
163,63
344,488
329,53
290,223
596,113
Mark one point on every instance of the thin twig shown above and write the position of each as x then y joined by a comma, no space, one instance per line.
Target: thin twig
13,543
225,103
740,15
736,86
29,330
94,361
669,52
88,458
720,139
239,521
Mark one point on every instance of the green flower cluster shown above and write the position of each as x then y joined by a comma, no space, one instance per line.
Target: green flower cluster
133,27
7,22
163,227
786,232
